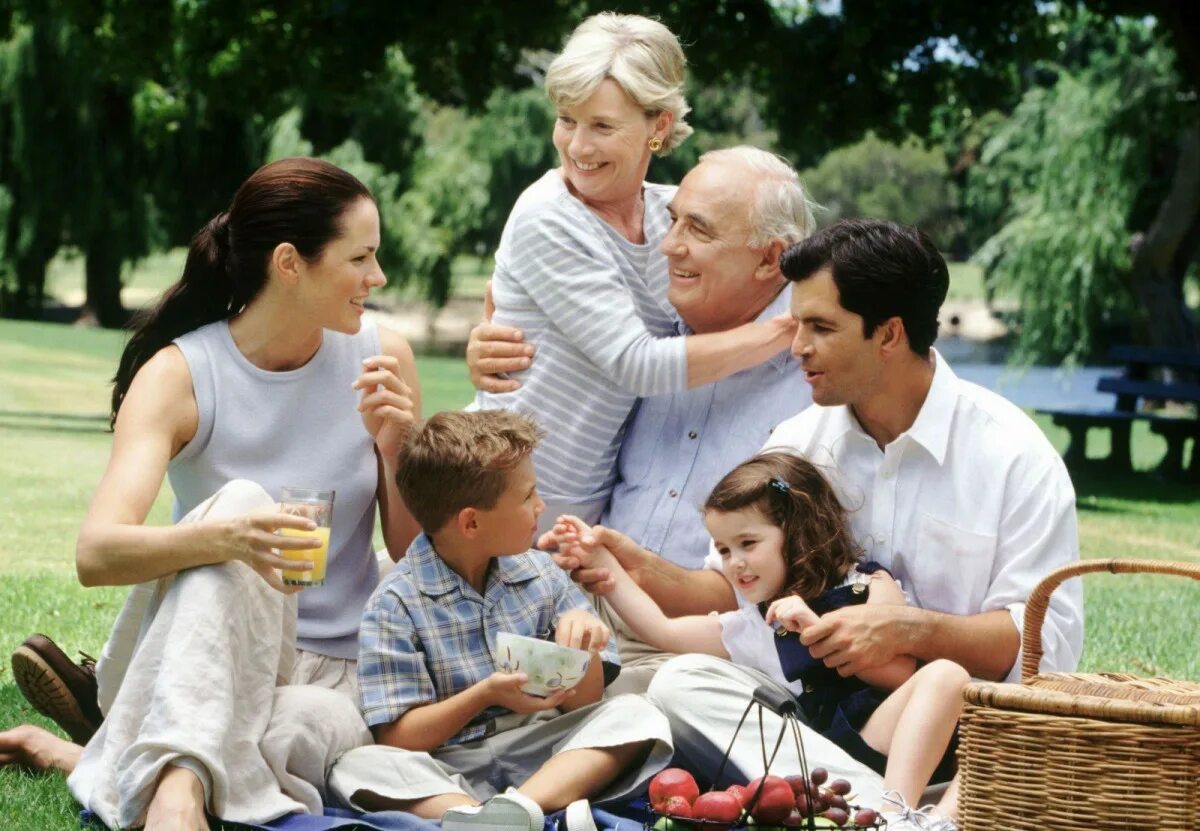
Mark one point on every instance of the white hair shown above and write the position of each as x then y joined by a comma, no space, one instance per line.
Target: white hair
782,209
642,55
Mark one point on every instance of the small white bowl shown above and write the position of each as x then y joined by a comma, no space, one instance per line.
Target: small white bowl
550,667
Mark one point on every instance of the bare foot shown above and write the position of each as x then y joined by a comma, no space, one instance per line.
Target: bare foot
178,803
35,749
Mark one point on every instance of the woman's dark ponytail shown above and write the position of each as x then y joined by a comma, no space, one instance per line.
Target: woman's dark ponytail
202,295
298,200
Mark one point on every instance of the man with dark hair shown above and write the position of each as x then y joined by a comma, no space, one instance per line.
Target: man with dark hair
951,487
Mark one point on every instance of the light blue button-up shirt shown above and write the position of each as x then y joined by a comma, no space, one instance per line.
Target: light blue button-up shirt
678,446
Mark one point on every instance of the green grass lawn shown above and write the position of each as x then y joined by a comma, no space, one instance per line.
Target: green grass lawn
54,389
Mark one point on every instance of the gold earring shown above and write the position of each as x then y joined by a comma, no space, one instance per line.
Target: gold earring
655,144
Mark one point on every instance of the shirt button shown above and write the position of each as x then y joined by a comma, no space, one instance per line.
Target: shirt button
673,493
887,474
692,434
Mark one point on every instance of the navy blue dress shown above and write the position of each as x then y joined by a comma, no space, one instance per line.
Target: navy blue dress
838,707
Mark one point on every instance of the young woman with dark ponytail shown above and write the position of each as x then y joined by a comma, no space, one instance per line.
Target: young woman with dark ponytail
254,372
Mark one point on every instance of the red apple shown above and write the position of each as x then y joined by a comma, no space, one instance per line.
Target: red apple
677,806
739,793
776,801
718,806
672,782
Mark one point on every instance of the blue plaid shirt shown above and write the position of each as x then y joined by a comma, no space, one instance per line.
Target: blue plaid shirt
427,635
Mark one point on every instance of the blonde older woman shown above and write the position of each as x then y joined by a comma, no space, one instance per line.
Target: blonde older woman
580,272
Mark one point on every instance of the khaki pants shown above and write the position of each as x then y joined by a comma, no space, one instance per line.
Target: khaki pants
639,660
521,744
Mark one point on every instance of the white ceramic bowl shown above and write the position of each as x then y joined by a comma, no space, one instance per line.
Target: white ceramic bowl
550,667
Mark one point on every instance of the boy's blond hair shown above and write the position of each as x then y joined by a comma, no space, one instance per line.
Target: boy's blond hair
461,460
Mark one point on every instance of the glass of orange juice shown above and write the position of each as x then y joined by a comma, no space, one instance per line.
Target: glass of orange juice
316,505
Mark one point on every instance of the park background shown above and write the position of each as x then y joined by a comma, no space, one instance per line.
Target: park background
1051,149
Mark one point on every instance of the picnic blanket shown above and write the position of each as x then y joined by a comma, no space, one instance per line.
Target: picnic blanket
630,818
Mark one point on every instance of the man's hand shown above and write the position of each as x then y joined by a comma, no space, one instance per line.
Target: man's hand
493,350
792,613
584,553
504,690
581,630
857,638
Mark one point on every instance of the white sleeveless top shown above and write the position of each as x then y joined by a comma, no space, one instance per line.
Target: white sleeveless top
297,428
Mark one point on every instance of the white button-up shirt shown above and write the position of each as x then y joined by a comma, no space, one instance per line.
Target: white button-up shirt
969,508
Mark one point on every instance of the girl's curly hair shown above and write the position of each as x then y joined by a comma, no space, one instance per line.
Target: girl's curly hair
791,493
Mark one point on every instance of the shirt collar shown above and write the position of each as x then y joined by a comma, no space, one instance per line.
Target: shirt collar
434,578
930,429
780,304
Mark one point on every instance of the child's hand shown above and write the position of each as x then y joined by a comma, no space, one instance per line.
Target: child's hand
792,613
504,690
574,539
581,630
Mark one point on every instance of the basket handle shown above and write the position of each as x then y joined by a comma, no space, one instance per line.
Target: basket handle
1039,599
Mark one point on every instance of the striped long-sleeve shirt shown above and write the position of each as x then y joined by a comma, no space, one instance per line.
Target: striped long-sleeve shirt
594,305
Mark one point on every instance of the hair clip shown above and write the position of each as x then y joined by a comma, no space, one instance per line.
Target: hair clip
780,485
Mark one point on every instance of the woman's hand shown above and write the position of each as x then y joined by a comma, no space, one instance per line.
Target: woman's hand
581,630
792,613
252,539
386,404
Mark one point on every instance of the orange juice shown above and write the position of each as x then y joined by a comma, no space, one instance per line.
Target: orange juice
318,557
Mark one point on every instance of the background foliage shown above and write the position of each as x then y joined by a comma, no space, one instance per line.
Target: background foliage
1057,137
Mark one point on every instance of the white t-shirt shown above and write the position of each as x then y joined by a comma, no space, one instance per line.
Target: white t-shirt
969,508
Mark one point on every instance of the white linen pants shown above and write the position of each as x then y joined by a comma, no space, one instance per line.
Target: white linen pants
704,697
192,675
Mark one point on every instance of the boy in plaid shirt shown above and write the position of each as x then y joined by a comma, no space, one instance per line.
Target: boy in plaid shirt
452,731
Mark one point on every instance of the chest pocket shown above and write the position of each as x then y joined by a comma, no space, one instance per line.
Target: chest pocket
951,568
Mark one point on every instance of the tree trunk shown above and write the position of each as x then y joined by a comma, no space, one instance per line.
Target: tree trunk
24,302
1162,257
102,279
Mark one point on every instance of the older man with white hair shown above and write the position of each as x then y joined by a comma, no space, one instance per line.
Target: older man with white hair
732,217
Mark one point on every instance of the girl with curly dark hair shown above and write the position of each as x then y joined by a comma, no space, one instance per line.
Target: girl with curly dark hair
786,547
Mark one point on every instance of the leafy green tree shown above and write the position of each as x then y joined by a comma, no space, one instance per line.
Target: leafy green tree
906,182
1066,180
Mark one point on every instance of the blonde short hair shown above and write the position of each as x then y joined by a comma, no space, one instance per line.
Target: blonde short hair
459,460
782,209
642,55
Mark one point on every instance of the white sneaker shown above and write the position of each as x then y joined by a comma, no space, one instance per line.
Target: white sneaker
901,816
509,811
579,816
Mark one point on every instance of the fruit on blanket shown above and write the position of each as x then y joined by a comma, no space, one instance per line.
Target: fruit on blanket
865,816
800,785
803,801
774,803
739,793
672,782
818,776
668,824
838,815
677,806
717,806
840,787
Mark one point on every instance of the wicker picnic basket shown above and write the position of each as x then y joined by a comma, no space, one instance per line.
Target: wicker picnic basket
1077,751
